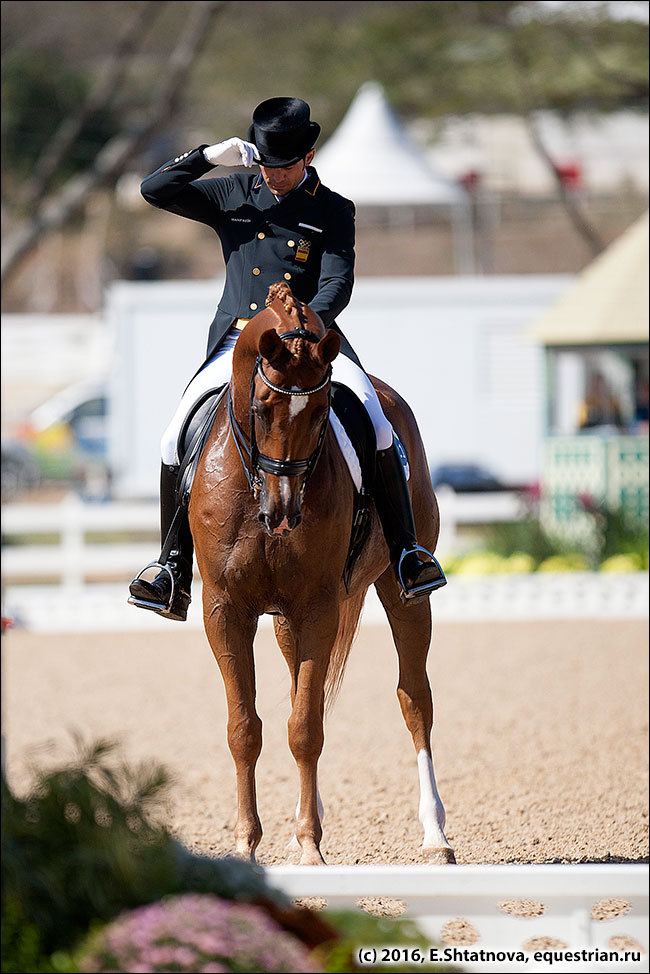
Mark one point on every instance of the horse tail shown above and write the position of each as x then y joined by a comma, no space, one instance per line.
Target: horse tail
349,620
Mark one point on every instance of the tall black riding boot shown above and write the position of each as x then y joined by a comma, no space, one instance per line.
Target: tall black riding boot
169,593
417,578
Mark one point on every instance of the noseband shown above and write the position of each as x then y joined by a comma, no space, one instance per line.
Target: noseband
252,460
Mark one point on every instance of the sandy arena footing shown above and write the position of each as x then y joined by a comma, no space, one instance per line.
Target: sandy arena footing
540,739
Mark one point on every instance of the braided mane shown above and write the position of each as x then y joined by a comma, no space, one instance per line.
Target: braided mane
282,293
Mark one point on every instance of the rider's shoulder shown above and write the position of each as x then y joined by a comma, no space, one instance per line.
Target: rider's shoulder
235,184
333,200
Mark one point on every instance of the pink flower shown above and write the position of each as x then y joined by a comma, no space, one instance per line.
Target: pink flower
587,502
193,933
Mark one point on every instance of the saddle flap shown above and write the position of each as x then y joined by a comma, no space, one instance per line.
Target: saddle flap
193,438
355,421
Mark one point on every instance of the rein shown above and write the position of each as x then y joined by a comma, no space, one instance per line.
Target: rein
252,460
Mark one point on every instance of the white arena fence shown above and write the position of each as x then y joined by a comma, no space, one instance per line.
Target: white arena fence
78,583
596,909
74,558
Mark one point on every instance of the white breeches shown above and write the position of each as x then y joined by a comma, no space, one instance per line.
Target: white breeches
218,370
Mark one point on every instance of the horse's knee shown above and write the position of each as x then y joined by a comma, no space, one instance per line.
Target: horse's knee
245,738
305,738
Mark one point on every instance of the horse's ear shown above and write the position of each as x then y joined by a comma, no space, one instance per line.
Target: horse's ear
270,345
328,347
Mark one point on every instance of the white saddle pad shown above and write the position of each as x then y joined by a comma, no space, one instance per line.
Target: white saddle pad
350,454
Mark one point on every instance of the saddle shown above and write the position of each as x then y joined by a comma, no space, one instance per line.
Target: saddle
356,423
193,437
360,431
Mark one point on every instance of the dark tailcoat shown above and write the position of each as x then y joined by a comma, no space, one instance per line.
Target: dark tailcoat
305,239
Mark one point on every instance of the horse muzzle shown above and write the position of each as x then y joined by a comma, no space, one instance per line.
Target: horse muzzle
280,508
276,528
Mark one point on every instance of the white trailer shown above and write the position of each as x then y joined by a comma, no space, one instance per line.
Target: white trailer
456,348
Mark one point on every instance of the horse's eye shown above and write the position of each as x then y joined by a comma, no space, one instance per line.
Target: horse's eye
260,412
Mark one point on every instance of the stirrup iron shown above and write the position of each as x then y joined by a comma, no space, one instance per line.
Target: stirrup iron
426,587
145,603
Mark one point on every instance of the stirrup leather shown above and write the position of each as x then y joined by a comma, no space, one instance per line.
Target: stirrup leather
146,603
426,587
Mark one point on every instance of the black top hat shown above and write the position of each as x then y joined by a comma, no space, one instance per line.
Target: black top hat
282,131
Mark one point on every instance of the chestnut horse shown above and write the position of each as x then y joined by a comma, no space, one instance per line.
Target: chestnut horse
271,512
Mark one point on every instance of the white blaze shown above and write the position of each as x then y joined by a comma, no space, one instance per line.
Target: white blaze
296,405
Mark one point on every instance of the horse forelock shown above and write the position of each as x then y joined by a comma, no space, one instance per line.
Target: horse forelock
283,313
291,312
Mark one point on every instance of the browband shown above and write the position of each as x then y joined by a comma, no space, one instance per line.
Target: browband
309,336
292,392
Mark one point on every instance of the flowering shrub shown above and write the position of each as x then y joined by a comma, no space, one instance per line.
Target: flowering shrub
195,933
613,533
623,563
86,844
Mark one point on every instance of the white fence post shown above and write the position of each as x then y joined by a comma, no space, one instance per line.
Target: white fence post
448,540
72,543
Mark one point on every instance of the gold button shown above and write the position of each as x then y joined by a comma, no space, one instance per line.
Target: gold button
261,236
256,271
291,243
253,306
287,277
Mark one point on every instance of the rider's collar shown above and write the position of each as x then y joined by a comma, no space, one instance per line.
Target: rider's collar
308,184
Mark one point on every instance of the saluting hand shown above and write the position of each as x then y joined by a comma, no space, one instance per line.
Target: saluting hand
232,152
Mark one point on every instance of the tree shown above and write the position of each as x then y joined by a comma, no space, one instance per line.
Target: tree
47,214
448,57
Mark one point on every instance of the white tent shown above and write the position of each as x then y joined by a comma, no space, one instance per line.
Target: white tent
372,160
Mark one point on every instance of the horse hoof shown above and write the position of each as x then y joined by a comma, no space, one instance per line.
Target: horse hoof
244,851
311,856
440,856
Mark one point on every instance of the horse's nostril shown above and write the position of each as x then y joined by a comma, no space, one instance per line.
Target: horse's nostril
294,521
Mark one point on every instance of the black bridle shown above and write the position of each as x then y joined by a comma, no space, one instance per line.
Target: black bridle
252,460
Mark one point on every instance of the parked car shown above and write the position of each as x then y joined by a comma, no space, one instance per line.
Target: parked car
465,478
65,439
19,470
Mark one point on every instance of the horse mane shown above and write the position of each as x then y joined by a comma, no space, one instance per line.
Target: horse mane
283,295
284,303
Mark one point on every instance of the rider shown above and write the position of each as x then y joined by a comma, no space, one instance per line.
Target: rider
279,225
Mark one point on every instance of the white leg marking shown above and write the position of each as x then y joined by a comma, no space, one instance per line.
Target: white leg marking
431,812
296,405
294,845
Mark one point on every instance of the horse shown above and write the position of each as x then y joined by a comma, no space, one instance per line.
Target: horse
270,512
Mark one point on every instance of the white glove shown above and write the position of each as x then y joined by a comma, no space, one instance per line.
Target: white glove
233,152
